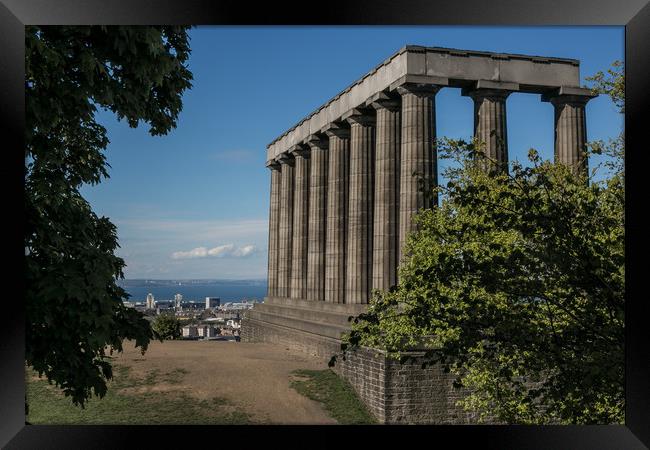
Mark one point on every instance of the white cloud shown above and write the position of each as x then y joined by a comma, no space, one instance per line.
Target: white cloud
245,250
222,250
218,252
154,243
199,252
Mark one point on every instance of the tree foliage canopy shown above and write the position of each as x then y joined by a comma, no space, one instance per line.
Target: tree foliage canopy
516,284
74,306
166,326
611,83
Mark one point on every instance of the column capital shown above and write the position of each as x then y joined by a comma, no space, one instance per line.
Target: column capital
336,129
299,150
285,159
421,85
420,90
316,142
569,95
382,100
359,116
496,90
273,165
391,105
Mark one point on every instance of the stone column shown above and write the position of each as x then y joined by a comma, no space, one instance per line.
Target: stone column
317,219
571,128
286,225
337,203
386,209
300,222
490,126
274,226
360,208
570,125
418,159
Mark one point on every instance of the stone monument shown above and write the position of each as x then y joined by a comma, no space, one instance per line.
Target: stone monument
343,196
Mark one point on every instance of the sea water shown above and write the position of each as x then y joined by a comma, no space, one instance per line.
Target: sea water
197,290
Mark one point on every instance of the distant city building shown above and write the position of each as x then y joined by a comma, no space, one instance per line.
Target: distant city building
212,302
190,331
178,298
151,302
215,319
242,305
233,323
164,305
207,331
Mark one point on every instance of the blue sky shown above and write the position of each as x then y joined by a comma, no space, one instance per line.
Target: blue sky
194,203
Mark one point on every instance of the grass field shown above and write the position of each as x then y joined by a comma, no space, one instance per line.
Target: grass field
192,382
336,395
129,401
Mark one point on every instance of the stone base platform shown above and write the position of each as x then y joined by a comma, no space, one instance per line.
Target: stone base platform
309,326
395,393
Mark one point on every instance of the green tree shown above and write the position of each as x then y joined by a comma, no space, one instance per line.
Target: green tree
166,326
516,285
611,83
74,306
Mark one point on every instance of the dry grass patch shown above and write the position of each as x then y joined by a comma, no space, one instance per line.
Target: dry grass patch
130,401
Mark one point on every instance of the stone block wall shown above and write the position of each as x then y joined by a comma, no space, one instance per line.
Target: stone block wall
394,393
365,370
405,393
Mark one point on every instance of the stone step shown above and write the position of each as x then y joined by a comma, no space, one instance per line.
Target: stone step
309,326
328,317
342,308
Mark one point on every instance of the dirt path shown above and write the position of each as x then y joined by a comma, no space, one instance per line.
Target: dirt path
254,377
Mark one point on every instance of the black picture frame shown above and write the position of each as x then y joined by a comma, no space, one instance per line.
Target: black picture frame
633,14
